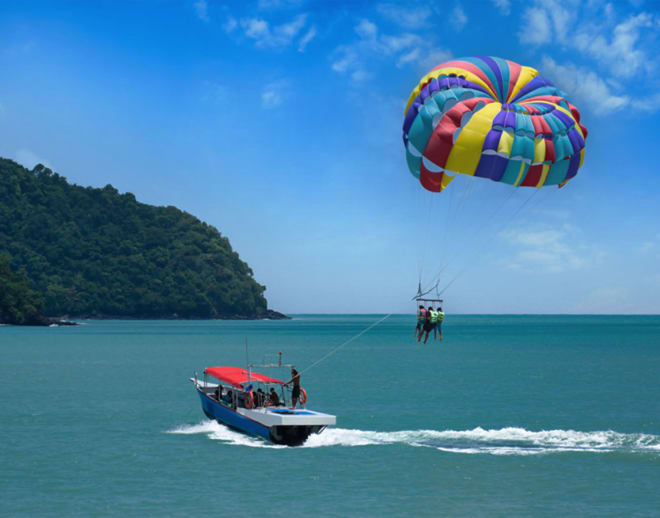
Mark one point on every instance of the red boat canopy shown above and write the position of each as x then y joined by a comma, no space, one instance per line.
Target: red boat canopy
238,376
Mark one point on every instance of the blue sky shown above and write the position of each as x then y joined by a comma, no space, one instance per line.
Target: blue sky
279,122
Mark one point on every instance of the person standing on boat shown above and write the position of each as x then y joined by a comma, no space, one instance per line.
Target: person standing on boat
295,393
421,316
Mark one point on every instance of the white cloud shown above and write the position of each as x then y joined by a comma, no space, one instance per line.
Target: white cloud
347,59
230,25
278,4
405,48
458,18
360,75
366,29
618,46
201,9
407,17
537,29
309,36
564,18
28,159
393,44
432,58
619,53
503,5
256,29
551,250
584,87
648,103
291,29
413,55
279,36
274,94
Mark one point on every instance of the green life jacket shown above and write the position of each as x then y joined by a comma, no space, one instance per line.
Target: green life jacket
441,316
434,317
421,315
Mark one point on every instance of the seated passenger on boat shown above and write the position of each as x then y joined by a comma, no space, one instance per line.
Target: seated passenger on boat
259,398
274,398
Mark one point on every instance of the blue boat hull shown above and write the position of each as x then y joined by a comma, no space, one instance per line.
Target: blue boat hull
229,417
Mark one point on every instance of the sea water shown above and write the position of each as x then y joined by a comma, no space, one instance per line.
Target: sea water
507,416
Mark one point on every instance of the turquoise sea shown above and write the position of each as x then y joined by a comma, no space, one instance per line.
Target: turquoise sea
508,416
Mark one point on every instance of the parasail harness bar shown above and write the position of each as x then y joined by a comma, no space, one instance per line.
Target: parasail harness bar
439,301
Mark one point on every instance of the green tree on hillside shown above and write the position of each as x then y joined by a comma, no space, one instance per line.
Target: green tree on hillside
18,303
96,252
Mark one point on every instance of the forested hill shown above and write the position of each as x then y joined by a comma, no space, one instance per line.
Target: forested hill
96,253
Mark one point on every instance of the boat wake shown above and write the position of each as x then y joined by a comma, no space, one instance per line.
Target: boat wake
503,441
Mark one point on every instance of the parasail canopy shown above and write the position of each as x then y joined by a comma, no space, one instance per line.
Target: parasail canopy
238,376
492,118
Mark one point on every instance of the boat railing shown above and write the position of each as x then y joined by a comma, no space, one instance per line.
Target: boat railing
239,396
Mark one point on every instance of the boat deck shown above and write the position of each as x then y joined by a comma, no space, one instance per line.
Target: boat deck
282,416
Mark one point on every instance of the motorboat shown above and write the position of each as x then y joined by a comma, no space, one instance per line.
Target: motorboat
258,405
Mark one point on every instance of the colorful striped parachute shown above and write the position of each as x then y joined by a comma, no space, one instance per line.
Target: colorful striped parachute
492,118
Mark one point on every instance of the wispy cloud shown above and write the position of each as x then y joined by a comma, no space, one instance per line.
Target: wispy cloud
406,17
433,57
411,56
615,43
201,10
372,46
584,87
309,36
503,5
537,30
366,29
552,250
345,58
458,18
360,75
258,30
648,103
229,25
619,52
279,4
612,47
274,94
282,35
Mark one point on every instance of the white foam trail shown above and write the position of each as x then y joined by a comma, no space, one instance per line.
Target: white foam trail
503,441
219,432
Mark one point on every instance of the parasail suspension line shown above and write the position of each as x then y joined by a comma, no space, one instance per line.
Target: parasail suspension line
506,225
353,338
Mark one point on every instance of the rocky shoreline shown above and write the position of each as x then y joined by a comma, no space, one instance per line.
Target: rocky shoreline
43,322
69,320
